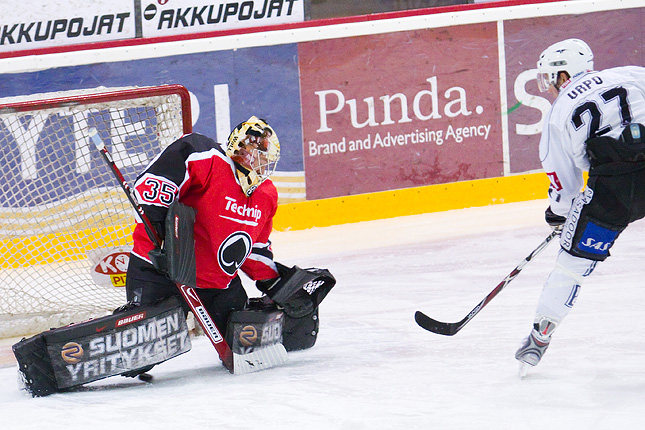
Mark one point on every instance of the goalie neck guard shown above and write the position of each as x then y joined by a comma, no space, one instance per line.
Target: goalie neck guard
255,149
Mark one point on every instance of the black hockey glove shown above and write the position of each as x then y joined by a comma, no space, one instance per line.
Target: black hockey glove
555,221
298,291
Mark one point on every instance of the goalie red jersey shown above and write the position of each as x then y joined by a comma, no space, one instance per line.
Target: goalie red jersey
232,228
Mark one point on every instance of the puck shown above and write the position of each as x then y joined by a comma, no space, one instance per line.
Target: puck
146,377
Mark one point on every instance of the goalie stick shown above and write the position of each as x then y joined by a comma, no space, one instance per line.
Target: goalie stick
264,358
450,329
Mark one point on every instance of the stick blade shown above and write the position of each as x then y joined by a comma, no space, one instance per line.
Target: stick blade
425,322
265,358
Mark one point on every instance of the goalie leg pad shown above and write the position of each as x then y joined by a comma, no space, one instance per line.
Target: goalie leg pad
255,327
300,333
61,358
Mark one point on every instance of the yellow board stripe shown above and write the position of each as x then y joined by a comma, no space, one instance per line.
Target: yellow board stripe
410,201
28,251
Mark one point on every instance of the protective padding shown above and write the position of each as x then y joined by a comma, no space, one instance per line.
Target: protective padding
179,244
254,328
61,358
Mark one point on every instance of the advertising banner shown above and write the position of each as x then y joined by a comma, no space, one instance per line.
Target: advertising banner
227,87
41,24
400,110
612,47
171,17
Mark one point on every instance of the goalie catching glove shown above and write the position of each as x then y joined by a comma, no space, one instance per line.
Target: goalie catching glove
298,291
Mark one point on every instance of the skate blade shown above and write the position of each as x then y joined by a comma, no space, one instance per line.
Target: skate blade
523,370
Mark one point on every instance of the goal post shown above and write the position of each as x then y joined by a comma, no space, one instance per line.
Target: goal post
65,224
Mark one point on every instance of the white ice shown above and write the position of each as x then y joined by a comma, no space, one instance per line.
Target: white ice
374,368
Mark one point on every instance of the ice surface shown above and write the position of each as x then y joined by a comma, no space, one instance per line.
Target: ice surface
374,368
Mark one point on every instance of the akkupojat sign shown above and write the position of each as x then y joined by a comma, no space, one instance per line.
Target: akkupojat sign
169,17
39,24
400,110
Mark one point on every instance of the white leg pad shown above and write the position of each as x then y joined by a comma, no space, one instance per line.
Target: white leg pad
562,287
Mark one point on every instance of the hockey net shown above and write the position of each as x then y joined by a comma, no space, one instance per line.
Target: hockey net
65,224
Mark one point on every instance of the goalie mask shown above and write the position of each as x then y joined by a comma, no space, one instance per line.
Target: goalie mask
572,56
255,149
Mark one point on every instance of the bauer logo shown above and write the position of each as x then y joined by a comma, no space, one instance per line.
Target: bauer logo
72,352
130,319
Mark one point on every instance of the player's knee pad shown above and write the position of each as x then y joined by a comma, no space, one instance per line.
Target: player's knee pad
263,324
562,287
136,338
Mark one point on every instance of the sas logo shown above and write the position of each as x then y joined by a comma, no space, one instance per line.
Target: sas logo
248,335
597,239
72,352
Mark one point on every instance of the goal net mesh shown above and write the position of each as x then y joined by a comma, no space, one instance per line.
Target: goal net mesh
65,223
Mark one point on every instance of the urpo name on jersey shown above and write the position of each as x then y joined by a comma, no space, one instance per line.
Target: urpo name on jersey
583,86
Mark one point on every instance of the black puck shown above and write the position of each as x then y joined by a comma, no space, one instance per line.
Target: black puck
146,377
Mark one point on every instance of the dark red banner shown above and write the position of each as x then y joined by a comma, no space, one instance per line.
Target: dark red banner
400,110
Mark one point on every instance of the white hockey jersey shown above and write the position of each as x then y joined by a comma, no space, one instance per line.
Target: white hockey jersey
590,104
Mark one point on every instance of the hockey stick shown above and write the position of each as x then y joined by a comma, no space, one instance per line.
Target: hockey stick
450,329
235,363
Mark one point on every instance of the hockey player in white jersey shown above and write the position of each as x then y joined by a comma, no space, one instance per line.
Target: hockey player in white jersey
594,125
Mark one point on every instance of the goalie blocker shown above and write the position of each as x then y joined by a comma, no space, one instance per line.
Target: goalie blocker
62,358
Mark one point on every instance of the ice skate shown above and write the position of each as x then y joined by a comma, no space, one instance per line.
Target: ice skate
531,351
